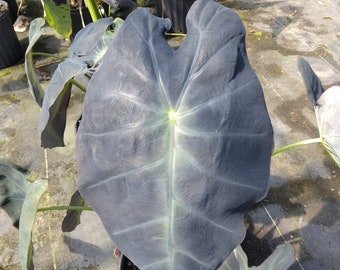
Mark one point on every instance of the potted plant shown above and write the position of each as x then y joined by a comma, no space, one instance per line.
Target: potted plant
152,112
10,48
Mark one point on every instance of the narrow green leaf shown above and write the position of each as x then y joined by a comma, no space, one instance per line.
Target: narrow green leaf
29,209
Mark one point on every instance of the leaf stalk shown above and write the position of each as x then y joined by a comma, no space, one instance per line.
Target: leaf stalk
293,145
65,207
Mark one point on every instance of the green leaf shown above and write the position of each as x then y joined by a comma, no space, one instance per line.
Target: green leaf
58,17
35,32
29,209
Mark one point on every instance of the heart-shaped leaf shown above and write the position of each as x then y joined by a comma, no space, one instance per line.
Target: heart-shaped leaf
174,145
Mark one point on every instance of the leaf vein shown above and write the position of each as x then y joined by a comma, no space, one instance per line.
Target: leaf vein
130,172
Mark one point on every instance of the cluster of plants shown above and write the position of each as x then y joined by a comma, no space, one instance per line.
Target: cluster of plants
174,145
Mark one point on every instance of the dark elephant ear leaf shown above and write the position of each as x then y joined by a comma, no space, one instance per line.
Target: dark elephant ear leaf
12,190
89,46
72,218
174,145
311,80
53,112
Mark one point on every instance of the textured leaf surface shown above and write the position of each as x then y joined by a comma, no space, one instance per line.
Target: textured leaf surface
35,32
174,145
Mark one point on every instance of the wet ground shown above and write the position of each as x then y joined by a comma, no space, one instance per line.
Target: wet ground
303,203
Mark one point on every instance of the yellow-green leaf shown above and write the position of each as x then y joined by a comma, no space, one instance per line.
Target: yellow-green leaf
58,17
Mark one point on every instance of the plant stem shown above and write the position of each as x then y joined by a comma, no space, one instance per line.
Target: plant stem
80,86
65,207
175,34
293,145
93,9
49,55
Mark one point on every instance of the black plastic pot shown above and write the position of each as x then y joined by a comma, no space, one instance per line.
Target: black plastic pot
76,19
10,48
